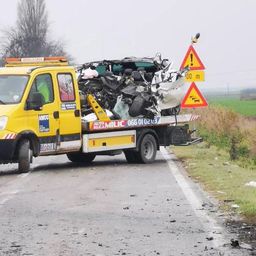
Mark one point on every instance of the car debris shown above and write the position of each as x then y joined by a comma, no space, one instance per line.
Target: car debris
251,184
234,243
133,87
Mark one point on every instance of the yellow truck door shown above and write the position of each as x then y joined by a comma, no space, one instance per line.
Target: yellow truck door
44,122
69,112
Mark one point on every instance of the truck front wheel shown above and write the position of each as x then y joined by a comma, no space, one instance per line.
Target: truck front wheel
24,156
147,149
79,157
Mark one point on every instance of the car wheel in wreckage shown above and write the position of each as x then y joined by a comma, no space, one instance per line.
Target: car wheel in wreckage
137,107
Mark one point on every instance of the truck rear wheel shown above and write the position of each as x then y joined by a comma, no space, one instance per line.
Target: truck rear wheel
79,157
131,156
24,156
147,149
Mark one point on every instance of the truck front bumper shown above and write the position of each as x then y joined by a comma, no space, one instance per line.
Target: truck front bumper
7,149
7,146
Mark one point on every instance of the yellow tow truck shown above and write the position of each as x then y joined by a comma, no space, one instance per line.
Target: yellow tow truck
40,114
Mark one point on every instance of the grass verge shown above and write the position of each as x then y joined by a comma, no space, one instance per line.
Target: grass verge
223,179
230,131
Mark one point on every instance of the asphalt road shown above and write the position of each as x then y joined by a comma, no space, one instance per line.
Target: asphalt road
108,208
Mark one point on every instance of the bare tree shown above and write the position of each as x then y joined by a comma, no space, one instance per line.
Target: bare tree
32,25
30,36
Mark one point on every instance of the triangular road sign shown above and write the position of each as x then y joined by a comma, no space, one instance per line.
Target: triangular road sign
193,98
192,60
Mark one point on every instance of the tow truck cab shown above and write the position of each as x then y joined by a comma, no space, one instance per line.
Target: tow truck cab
39,109
40,114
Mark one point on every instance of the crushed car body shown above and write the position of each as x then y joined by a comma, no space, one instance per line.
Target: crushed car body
133,87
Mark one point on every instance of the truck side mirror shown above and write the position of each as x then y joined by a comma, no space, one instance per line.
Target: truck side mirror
35,101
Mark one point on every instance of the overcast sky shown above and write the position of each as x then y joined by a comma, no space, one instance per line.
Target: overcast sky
95,30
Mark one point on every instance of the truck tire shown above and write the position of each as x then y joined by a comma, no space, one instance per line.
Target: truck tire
131,156
24,156
147,149
79,157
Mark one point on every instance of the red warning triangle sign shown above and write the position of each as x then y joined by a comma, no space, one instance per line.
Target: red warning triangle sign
192,60
193,98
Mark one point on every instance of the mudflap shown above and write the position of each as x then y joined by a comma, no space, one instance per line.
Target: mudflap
182,136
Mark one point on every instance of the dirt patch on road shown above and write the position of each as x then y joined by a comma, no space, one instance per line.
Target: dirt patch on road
246,234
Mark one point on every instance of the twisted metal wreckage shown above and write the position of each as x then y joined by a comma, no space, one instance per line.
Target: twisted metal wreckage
132,87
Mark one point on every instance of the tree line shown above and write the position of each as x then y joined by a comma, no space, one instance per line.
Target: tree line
30,37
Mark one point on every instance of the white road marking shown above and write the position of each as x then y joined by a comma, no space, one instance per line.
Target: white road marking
210,224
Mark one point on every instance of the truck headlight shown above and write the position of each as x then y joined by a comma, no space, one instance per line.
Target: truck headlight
3,122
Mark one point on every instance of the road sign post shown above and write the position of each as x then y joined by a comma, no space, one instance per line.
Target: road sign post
193,98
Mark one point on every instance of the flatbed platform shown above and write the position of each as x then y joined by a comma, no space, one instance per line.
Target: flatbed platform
137,122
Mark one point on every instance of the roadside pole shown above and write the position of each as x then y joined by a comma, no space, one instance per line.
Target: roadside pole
193,98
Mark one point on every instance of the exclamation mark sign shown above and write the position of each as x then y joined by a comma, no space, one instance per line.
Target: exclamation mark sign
191,59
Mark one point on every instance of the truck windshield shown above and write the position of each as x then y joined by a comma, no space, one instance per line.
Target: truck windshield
12,88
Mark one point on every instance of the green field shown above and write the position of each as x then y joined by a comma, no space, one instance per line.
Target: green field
244,107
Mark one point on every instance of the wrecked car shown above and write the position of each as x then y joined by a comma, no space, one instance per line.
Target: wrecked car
132,86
